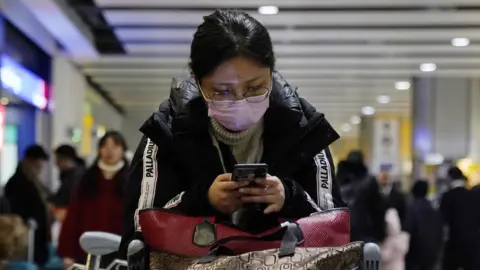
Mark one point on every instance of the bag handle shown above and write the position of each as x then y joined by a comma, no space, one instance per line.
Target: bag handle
289,234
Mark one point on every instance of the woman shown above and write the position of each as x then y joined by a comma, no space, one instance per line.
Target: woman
234,109
368,213
97,204
352,173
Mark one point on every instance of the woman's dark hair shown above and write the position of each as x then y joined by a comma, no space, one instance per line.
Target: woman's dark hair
454,173
116,137
68,151
88,186
420,188
355,157
368,213
226,34
36,151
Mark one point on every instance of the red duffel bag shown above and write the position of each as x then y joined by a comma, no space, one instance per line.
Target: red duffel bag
196,236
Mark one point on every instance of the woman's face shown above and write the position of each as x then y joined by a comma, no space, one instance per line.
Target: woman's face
111,153
236,79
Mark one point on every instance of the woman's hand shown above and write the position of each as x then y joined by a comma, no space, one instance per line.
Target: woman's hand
68,262
269,190
224,195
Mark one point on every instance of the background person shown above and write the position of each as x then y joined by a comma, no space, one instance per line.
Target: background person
352,173
98,202
28,199
395,245
459,210
368,213
424,224
393,194
71,168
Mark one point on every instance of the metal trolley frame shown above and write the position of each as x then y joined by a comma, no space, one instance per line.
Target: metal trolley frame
98,244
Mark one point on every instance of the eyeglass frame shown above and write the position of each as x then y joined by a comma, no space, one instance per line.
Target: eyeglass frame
236,95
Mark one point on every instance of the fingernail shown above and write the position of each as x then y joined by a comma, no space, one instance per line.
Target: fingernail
242,190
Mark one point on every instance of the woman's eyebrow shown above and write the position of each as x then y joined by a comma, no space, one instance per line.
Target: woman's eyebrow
237,83
254,79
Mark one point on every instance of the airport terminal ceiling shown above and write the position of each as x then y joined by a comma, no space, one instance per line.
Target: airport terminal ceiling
346,56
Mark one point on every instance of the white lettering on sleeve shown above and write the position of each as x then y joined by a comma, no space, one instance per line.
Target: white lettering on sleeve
149,179
324,181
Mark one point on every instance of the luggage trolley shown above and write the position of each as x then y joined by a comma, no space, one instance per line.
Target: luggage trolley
371,256
98,244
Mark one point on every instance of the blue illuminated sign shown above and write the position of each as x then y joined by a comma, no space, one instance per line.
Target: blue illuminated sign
22,83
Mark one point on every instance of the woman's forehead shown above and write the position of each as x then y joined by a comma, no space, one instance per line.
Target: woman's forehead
237,71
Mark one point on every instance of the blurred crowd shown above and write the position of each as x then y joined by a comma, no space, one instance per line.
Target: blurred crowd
413,231
90,198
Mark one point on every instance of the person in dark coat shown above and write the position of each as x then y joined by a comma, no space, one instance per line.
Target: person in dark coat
351,174
368,213
460,215
393,195
360,191
234,109
71,168
475,180
424,224
27,198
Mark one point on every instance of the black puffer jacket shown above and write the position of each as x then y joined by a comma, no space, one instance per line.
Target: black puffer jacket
176,161
68,182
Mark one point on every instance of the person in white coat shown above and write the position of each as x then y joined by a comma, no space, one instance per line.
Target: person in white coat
395,246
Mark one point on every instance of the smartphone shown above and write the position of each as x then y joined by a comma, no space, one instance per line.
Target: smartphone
249,172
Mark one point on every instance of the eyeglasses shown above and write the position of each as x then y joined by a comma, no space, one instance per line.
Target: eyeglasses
228,97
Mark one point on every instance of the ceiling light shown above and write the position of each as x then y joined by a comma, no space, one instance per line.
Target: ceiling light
383,99
368,110
355,119
268,10
402,85
346,127
428,67
460,42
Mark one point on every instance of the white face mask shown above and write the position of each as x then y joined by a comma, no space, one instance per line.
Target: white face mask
239,115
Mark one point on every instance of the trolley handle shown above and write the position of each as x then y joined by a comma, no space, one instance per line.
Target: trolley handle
371,257
32,227
96,245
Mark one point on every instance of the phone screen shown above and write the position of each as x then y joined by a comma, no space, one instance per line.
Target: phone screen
249,172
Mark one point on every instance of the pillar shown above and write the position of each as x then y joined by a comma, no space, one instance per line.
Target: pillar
365,138
68,96
385,140
442,117
475,122
471,165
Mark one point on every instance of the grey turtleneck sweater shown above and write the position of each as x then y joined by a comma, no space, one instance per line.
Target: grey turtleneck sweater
246,147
